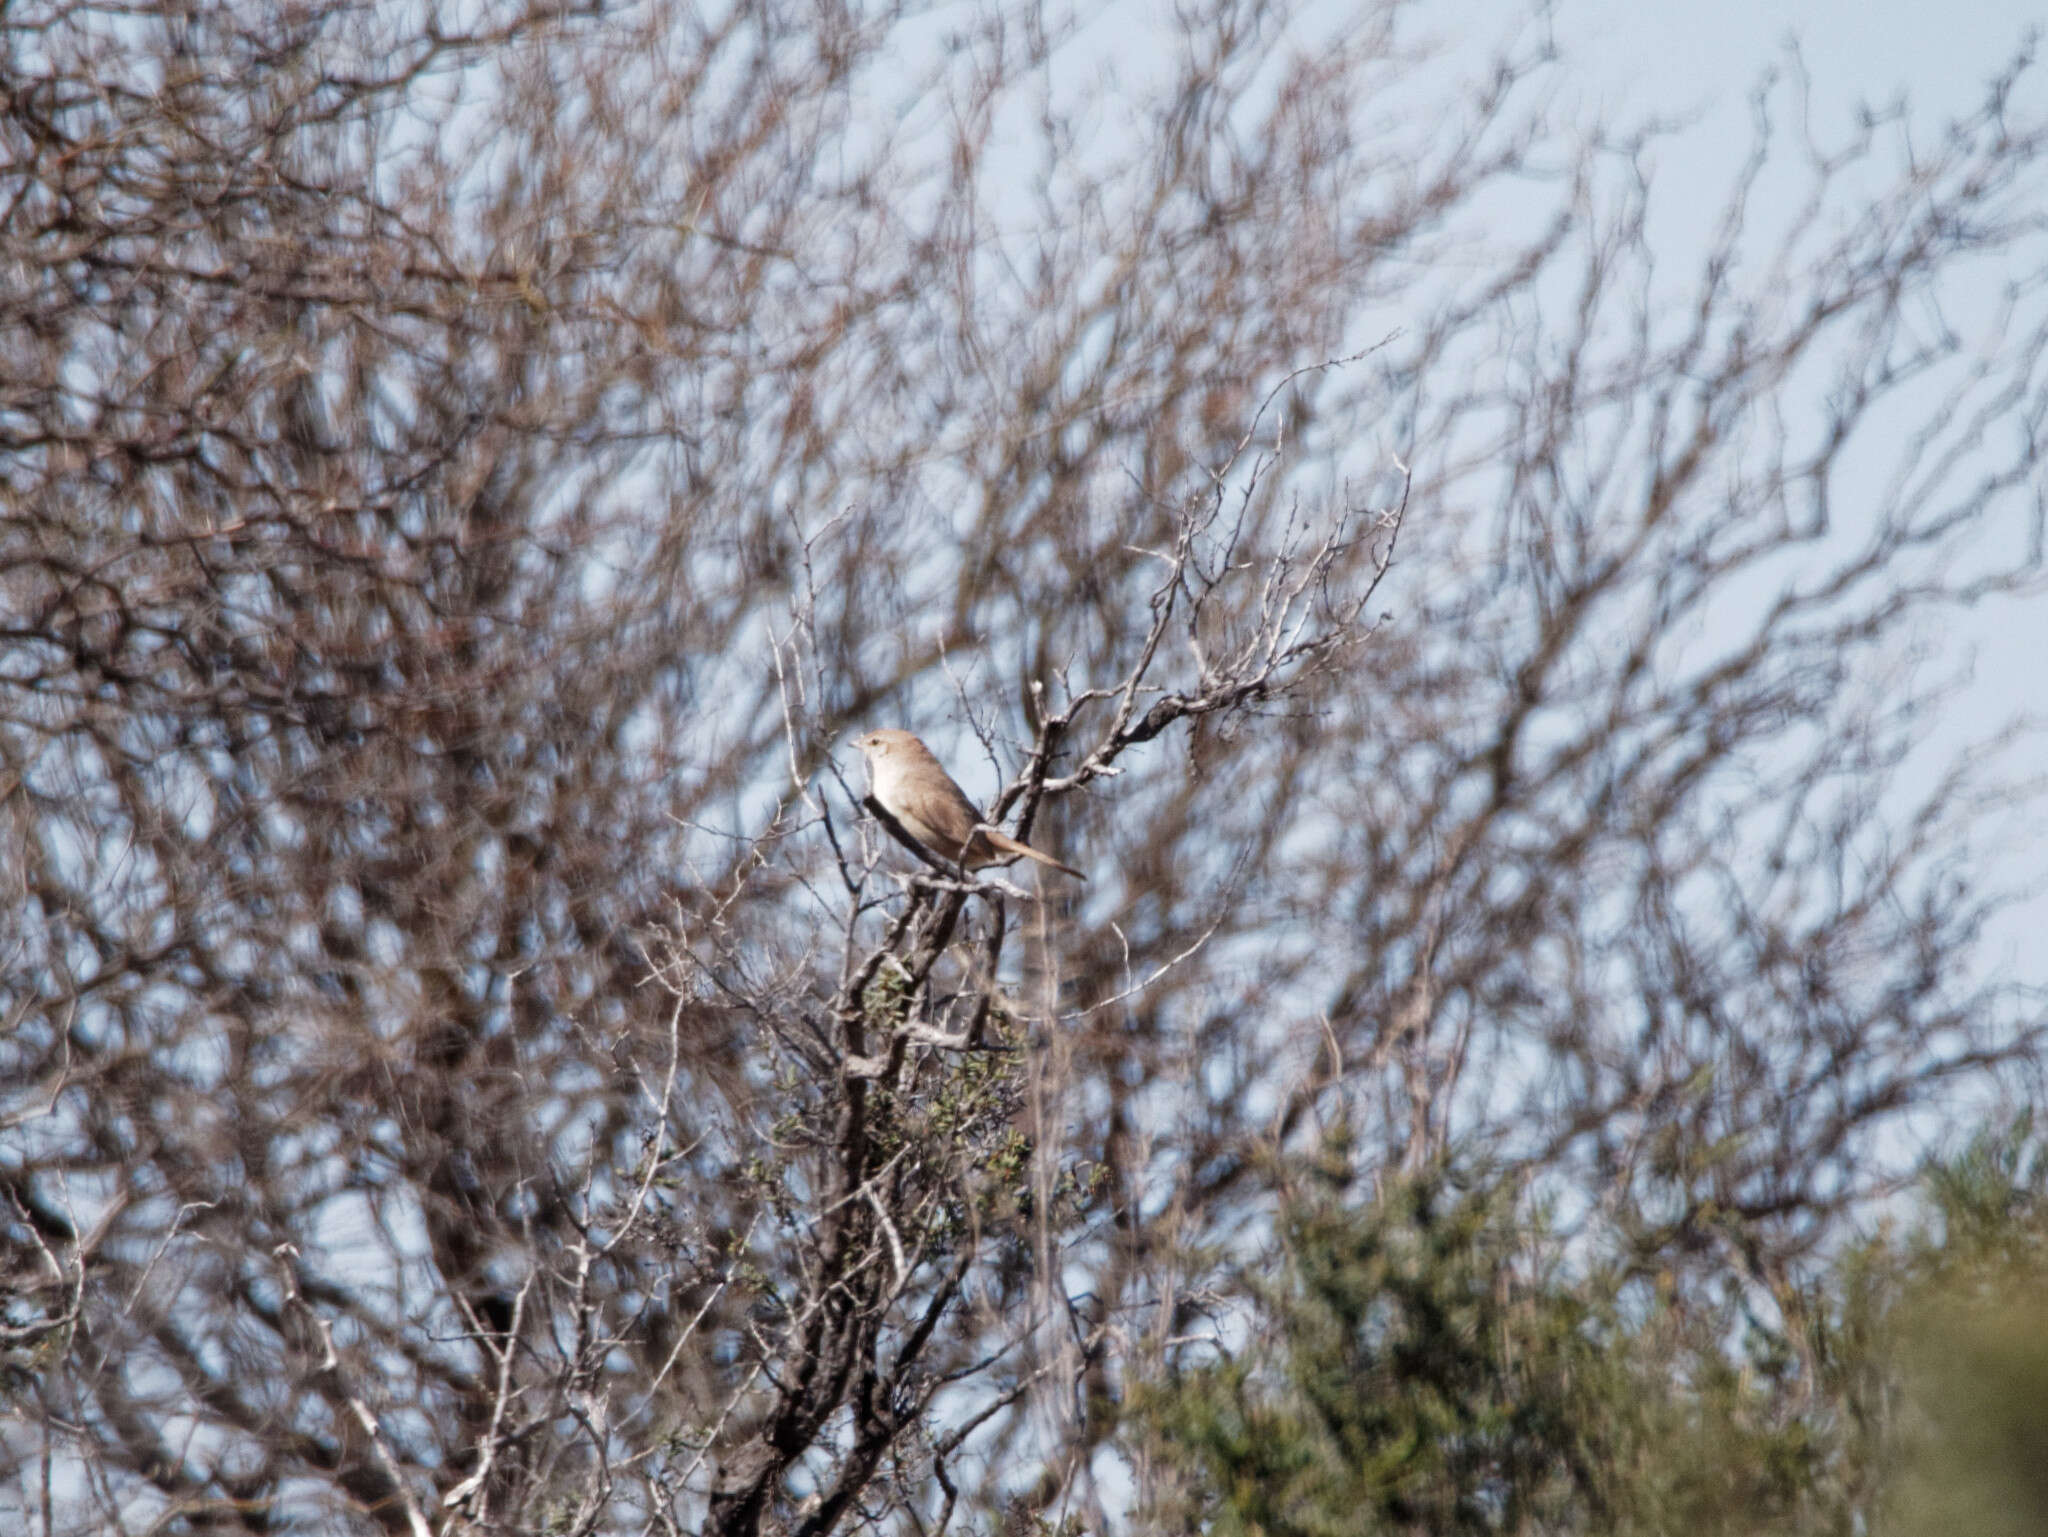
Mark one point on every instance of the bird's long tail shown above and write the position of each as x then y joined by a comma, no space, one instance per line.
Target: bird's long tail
1011,845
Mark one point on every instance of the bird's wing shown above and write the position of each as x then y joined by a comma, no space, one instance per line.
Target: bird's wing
953,813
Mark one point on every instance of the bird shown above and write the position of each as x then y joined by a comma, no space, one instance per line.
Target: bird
915,789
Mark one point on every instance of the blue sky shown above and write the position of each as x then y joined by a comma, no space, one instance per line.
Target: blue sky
1639,56
1938,54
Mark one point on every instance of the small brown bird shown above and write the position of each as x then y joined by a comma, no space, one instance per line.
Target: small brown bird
916,790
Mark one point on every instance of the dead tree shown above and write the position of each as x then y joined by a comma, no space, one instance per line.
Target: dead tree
468,1066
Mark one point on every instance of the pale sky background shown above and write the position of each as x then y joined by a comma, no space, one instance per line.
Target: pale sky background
1632,59
1937,51
1700,60
1937,54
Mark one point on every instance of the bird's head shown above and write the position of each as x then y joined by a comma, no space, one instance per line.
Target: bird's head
877,745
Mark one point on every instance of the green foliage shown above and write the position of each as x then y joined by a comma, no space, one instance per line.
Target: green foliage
1425,1362
1973,1332
887,999
1410,1380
